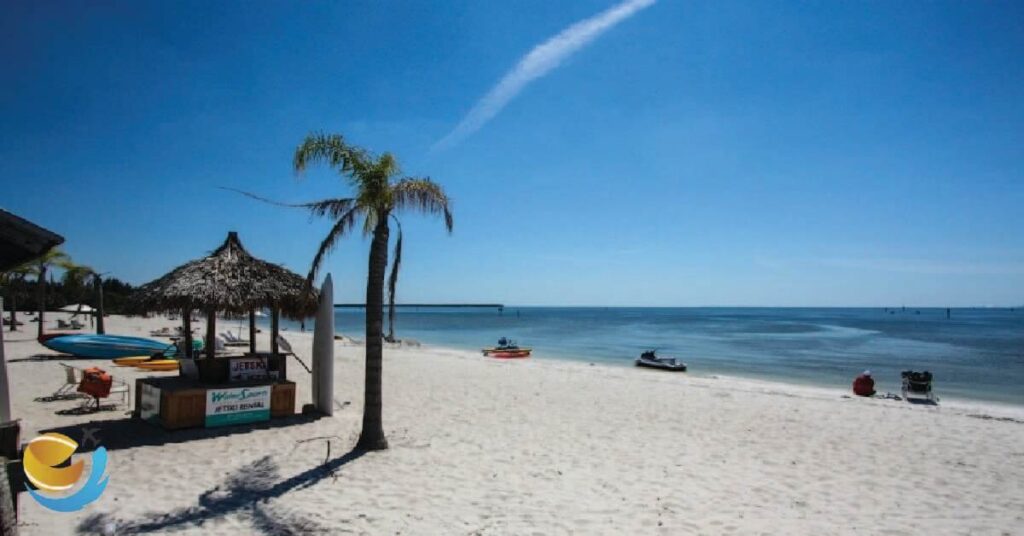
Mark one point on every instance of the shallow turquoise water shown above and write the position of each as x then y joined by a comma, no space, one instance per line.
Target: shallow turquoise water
975,354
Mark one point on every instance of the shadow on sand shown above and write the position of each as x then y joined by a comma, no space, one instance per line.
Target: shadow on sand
246,492
118,434
921,401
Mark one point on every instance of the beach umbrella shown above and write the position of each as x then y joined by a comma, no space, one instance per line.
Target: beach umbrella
77,308
229,280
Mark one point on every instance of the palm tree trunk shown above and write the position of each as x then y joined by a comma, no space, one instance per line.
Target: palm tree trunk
372,436
99,309
41,283
391,318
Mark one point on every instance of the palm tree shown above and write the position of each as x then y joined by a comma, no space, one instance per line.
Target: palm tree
13,281
54,258
77,278
380,192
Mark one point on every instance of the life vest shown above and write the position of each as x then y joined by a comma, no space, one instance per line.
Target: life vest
95,382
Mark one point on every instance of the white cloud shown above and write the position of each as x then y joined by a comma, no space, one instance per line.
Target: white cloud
538,62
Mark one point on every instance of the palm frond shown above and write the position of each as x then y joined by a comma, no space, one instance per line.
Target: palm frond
370,221
76,274
424,195
341,227
387,165
332,207
332,150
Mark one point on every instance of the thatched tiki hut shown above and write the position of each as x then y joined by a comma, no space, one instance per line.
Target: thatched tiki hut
231,281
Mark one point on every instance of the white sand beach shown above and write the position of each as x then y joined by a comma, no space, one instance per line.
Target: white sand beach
482,446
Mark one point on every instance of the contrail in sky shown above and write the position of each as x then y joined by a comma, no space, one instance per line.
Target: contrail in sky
537,63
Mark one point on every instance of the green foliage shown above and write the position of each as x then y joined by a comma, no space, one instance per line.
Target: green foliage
76,285
380,192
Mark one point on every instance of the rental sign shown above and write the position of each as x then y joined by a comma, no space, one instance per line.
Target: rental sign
236,406
248,368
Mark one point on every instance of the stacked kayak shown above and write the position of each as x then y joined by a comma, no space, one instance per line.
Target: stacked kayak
145,362
108,346
159,365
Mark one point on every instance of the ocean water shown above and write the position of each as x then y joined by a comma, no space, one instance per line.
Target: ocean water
976,354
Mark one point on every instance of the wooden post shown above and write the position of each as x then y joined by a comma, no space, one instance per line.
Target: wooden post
211,333
252,331
275,318
8,501
186,328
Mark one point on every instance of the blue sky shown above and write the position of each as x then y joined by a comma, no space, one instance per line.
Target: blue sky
717,153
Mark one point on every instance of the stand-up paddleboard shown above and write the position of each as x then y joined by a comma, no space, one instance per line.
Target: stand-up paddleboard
323,350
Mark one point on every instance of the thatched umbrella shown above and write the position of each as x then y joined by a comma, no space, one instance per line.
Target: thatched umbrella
229,280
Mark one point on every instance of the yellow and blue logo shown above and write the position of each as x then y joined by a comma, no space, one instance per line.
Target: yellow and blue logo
42,457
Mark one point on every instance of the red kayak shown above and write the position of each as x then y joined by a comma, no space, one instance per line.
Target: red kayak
509,354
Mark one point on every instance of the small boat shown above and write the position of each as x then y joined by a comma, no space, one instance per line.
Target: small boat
510,354
507,349
108,346
650,360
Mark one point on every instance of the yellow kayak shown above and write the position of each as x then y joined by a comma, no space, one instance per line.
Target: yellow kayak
158,365
130,361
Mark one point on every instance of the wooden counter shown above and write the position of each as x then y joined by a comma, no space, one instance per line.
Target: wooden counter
178,402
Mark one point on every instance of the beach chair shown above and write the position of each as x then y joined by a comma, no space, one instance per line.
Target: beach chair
918,384
98,384
75,324
72,377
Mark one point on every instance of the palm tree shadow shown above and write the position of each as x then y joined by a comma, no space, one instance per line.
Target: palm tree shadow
47,358
246,492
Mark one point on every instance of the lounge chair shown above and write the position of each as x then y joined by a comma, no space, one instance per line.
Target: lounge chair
231,340
918,384
62,324
219,348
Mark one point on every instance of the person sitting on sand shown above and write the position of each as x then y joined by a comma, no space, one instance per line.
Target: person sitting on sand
864,385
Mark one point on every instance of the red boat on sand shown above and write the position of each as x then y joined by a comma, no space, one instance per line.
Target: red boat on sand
507,349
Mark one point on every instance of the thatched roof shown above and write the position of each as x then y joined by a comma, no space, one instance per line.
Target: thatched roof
229,280
22,240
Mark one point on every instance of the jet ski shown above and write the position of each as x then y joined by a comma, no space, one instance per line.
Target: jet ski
650,360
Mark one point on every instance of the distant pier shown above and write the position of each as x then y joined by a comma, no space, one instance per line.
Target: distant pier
430,305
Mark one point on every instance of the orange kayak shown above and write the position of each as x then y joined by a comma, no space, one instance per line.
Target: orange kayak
509,354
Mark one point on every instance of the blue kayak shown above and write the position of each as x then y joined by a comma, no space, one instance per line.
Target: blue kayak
108,346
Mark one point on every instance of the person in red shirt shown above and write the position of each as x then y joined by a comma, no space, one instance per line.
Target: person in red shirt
864,385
